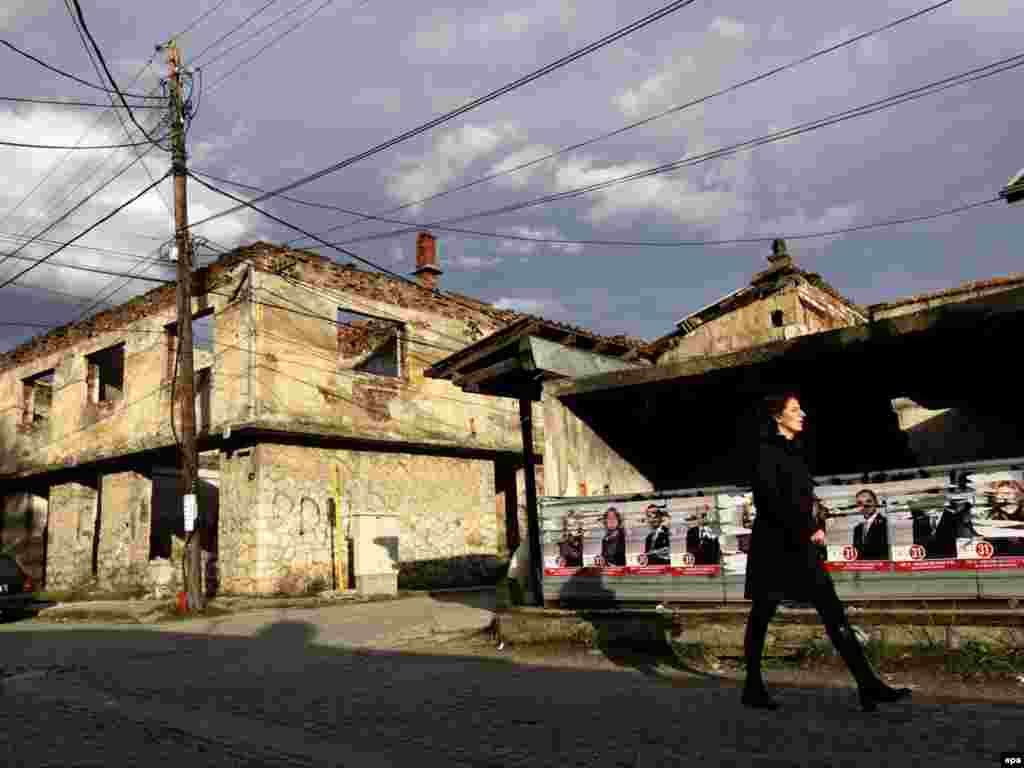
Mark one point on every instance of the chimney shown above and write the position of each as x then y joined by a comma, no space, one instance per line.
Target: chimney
780,261
427,270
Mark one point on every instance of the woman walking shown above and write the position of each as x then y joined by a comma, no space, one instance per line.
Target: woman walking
783,562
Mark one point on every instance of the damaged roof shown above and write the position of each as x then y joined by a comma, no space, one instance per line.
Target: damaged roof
298,264
1009,281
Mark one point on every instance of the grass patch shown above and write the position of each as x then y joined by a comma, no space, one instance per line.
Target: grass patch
694,651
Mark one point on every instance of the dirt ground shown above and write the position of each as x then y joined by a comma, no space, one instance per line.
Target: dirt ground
928,674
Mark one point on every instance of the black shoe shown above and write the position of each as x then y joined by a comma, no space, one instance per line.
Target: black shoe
870,696
759,700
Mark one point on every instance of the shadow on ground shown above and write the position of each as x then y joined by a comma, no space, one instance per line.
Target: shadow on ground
462,710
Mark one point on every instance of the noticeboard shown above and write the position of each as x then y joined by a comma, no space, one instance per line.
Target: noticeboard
936,532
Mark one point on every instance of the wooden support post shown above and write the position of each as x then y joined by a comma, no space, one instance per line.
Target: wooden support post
532,518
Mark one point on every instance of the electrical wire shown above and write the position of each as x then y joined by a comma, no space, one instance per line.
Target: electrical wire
67,214
273,41
196,22
83,34
232,31
468,107
103,62
211,61
246,204
127,145
60,103
68,155
61,72
83,233
647,120
913,94
475,233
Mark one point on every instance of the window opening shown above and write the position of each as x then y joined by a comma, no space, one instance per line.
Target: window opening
105,376
369,344
37,397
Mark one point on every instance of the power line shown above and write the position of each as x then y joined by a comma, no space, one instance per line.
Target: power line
475,233
232,31
127,145
61,72
210,62
647,120
273,41
67,155
938,86
200,19
357,257
103,63
81,234
469,106
62,103
83,34
67,214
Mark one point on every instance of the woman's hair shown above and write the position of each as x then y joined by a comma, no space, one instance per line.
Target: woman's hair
618,516
1015,485
773,405
869,492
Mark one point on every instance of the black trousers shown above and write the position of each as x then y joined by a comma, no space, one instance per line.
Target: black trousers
833,616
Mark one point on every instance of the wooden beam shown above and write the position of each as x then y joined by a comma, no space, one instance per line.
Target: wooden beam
496,371
543,355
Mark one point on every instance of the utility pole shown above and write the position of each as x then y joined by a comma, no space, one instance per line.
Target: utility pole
185,382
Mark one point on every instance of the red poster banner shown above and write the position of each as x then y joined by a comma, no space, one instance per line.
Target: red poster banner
648,570
698,570
994,564
598,571
860,566
561,571
917,566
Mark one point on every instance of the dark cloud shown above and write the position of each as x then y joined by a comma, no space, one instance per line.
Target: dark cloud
354,77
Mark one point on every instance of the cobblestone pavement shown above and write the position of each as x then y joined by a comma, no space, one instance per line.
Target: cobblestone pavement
280,697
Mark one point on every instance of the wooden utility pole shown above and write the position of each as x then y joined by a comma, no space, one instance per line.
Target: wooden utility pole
185,382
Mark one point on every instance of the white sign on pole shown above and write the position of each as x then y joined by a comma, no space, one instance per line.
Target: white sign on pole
190,512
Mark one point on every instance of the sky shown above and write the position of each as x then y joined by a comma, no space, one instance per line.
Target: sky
359,72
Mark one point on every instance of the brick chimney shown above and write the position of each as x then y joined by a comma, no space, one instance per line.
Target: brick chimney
427,270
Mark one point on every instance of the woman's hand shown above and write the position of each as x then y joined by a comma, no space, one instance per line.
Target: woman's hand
819,538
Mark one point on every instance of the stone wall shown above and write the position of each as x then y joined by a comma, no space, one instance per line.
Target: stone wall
123,547
278,535
70,533
805,310
577,460
306,377
79,430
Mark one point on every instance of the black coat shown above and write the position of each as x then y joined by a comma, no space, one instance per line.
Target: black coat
705,551
874,545
783,562
613,547
657,547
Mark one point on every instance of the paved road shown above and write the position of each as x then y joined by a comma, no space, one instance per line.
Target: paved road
318,688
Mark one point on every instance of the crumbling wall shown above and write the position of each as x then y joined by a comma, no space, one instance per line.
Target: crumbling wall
577,460
278,534
71,532
307,379
78,429
123,547
804,309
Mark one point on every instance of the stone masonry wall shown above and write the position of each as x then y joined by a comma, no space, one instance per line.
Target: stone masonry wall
276,530
124,530
70,532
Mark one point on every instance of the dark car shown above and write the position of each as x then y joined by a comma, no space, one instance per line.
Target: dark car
16,587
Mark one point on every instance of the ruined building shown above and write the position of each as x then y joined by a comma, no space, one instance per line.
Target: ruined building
311,409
